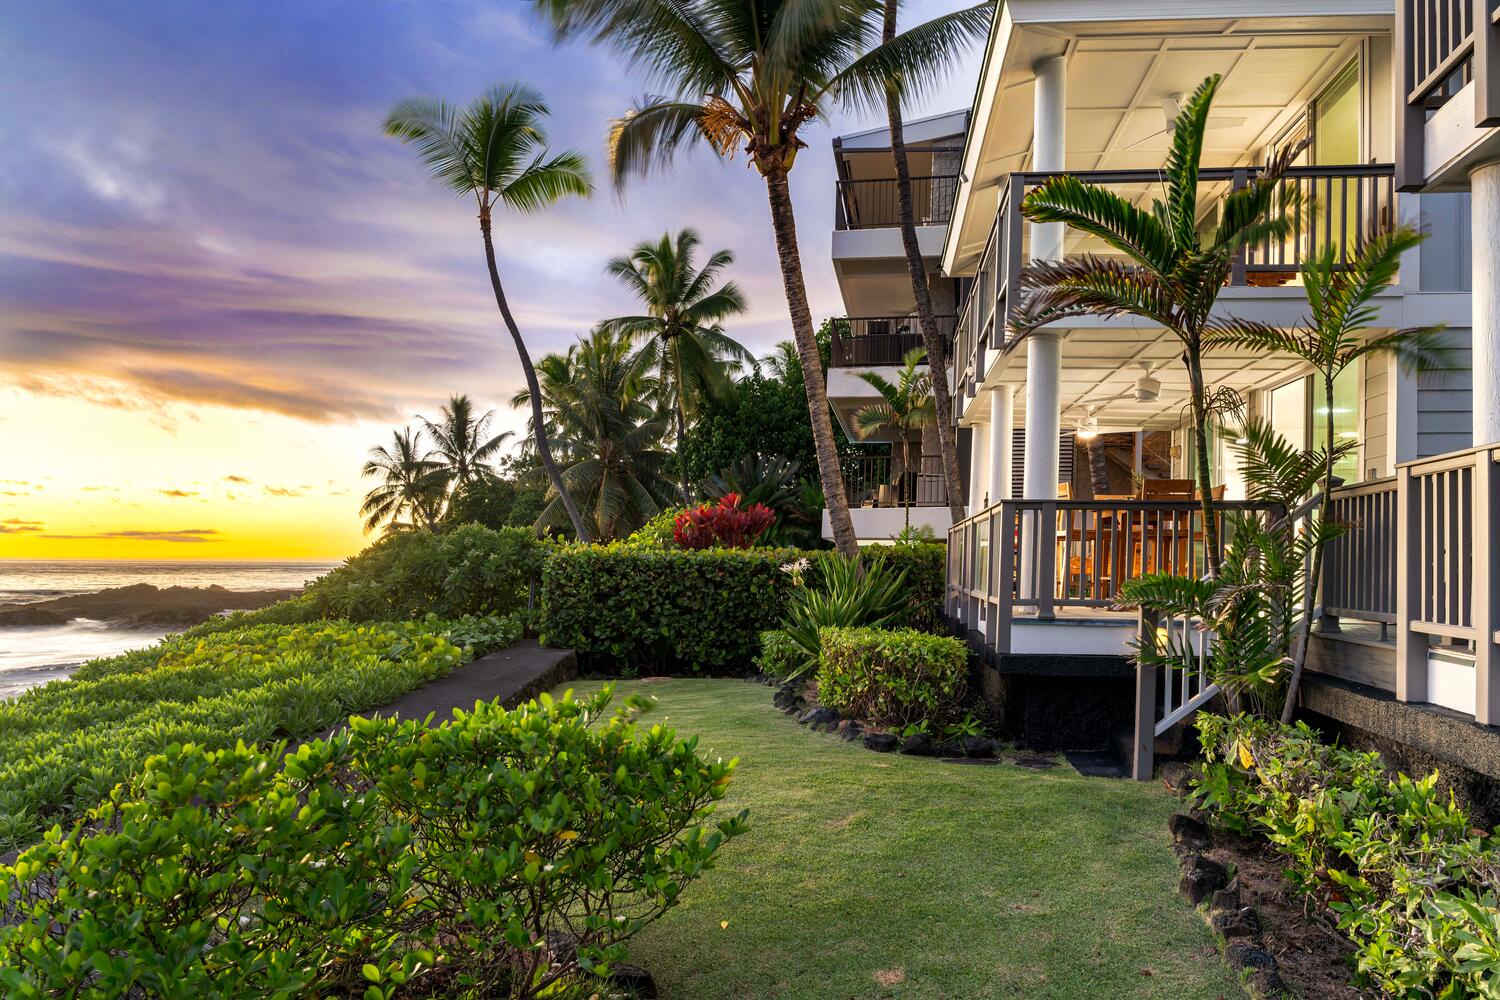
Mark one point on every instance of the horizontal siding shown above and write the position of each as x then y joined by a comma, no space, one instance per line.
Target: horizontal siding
1445,419
1445,263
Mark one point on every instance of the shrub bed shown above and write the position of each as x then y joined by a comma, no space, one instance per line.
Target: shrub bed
390,860
1396,862
779,655
64,746
632,607
891,677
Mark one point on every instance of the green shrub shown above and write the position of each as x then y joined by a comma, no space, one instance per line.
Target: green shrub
657,532
469,570
663,609
481,635
891,677
64,745
1398,864
926,566
293,611
779,656
390,860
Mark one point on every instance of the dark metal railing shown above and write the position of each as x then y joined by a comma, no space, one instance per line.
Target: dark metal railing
875,481
881,340
1359,566
1341,207
875,204
1441,47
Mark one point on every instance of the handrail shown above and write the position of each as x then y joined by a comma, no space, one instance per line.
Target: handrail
874,203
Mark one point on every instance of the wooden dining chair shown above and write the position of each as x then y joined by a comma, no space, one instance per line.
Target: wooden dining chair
1167,489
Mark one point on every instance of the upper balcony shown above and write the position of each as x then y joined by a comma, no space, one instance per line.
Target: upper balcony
1448,91
881,341
874,203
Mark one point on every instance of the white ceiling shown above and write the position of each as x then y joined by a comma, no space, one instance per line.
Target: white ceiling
1117,77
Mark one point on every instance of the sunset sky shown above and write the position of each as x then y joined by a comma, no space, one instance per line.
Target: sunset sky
220,284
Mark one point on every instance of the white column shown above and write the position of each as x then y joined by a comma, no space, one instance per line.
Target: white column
1485,183
1002,440
1049,135
979,453
1043,417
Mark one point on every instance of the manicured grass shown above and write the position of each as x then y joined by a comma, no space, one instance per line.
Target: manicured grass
874,876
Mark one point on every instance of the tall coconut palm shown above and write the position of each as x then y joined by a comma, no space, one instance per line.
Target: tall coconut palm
462,442
750,75
685,345
411,484
495,150
904,407
1341,309
1173,274
608,431
932,337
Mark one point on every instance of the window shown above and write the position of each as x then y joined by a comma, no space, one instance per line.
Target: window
1288,412
1345,420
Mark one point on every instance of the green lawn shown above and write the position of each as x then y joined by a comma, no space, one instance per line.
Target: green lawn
874,876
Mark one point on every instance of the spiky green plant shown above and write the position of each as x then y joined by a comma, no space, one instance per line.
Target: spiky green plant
1341,309
850,593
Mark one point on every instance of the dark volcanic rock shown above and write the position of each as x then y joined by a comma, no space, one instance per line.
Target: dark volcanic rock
1242,957
1201,878
918,745
1189,832
635,979
949,748
142,606
819,718
851,731
882,742
1235,924
978,746
788,700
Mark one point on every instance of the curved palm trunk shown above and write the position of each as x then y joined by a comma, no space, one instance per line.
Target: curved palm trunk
1200,445
538,424
1098,465
681,422
785,225
932,337
1315,576
906,477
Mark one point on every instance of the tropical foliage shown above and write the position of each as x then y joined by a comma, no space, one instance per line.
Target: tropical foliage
749,75
410,493
1396,863
449,862
495,151
1172,271
905,407
891,677
848,593
603,409
725,523
773,481
684,342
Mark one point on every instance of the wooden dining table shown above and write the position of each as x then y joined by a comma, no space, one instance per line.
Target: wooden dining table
1147,541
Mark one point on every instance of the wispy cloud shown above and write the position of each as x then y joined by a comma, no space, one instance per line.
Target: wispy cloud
184,535
179,493
283,491
237,479
16,526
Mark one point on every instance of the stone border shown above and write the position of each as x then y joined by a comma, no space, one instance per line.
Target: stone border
1206,884
789,699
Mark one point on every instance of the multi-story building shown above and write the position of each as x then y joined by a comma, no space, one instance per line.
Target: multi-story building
1068,429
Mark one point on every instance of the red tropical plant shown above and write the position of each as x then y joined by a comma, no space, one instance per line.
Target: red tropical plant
724,525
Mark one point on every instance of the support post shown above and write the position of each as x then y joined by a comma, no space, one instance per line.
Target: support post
978,456
1486,592
1411,647
1142,763
1002,441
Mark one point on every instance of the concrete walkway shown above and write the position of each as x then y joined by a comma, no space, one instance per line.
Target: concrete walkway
514,675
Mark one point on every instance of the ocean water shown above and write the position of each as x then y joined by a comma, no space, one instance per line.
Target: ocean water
34,655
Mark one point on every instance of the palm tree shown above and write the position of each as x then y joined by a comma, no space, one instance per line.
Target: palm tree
749,74
1340,300
609,429
1173,275
686,346
932,337
411,484
461,443
904,407
496,151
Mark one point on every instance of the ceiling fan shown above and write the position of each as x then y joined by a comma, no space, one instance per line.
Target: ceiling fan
1171,107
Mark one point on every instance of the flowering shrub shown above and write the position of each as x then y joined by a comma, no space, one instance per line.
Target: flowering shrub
725,525
503,853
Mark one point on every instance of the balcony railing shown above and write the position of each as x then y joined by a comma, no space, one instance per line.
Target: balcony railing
862,341
1343,207
874,204
1443,46
875,481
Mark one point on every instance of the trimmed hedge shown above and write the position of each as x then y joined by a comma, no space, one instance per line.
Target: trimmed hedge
779,654
391,860
64,745
891,677
1398,864
641,609
636,607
